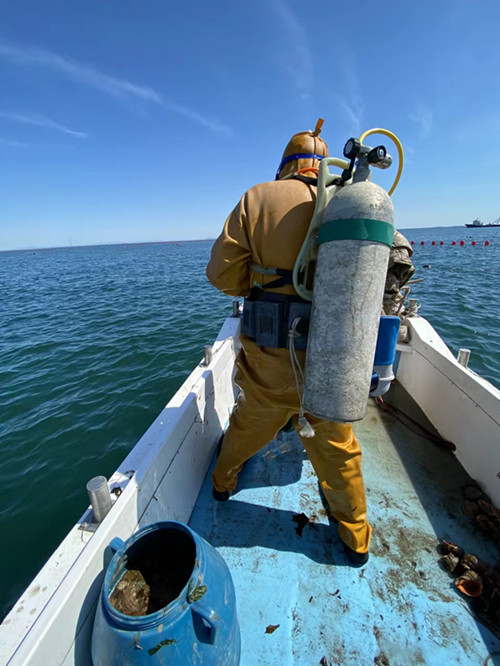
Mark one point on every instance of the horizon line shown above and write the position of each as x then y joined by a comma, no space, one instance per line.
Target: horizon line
74,247
30,248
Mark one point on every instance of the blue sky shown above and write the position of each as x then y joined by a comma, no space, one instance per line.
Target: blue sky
146,120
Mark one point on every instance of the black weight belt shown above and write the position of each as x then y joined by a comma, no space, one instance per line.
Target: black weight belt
268,318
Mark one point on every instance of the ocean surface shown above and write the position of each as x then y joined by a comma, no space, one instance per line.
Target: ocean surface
94,342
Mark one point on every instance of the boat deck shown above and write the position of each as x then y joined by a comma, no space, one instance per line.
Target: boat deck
401,608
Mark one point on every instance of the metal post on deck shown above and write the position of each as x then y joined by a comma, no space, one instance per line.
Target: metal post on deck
236,309
100,497
413,306
463,357
208,354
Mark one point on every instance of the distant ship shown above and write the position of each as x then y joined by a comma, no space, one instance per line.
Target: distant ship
478,223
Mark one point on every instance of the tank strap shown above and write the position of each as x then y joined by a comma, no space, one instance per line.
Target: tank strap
357,229
257,294
285,276
305,179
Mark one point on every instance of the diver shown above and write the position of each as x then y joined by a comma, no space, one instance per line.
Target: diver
267,229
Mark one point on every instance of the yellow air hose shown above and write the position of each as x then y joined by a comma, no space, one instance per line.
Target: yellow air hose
397,142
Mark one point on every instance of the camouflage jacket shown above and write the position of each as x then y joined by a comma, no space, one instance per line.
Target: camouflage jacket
399,271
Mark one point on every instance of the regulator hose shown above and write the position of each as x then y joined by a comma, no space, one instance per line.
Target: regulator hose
397,142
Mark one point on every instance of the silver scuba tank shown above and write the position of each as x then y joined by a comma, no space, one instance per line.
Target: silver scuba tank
354,239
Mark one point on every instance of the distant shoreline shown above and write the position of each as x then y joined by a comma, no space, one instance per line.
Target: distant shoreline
404,231
79,247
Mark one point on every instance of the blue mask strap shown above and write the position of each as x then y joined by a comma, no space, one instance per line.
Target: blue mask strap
296,156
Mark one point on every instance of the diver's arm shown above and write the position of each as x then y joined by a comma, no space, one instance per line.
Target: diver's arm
229,265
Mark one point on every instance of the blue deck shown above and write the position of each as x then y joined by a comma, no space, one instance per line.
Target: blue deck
401,608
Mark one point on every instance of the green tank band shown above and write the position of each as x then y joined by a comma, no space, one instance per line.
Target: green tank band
357,229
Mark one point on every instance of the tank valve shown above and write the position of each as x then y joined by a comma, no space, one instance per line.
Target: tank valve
377,156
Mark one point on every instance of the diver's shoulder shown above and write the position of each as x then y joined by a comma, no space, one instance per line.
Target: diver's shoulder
270,187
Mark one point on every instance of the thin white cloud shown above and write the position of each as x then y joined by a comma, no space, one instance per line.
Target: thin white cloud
110,85
423,116
9,143
353,110
351,102
297,61
40,121
409,154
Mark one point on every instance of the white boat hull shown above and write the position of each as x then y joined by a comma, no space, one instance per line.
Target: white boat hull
462,406
162,476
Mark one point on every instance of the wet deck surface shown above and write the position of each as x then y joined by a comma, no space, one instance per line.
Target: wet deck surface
401,608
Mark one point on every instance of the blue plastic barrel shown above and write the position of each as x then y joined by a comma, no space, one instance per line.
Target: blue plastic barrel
191,617
386,341
385,353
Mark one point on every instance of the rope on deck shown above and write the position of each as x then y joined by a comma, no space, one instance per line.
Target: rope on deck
412,425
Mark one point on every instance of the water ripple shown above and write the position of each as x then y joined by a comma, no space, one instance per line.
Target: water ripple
96,340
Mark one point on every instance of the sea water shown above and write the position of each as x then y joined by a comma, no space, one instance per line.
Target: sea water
95,341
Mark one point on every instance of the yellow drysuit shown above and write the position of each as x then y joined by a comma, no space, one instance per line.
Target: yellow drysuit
268,227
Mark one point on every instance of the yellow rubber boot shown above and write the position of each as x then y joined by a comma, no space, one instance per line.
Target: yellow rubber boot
336,457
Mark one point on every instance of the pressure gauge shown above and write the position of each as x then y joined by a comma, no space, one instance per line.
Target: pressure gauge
352,148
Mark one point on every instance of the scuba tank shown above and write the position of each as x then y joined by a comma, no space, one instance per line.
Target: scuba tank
347,247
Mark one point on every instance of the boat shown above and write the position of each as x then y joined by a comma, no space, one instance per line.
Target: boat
297,600
477,223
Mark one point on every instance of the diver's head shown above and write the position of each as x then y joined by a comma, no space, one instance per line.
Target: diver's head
304,150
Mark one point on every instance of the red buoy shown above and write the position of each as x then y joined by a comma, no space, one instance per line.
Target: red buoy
441,242
412,243
454,242
473,243
462,242
422,242
486,242
433,243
